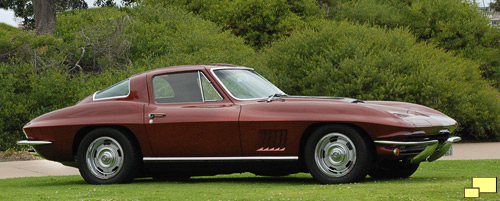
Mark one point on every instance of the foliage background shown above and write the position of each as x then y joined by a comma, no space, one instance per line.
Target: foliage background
412,51
453,25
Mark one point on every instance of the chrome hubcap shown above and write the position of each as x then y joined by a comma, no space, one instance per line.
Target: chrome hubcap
335,154
104,157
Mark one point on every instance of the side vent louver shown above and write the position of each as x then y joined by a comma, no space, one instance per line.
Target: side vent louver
273,140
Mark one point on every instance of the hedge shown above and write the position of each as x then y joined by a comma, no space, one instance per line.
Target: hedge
259,22
39,73
372,63
453,25
94,48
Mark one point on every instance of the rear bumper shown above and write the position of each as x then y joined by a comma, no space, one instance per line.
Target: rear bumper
432,151
33,143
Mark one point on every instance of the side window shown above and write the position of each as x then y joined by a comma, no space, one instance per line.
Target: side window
162,88
186,87
177,88
209,92
118,90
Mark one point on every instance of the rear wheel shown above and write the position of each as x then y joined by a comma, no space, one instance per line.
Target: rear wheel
337,154
394,170
107,156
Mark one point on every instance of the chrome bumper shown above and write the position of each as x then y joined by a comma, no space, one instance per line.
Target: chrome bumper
432,150
32,142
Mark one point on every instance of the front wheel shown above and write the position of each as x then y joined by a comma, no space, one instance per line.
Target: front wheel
337,154
107,156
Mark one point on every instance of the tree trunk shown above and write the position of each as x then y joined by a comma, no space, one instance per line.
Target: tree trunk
45,16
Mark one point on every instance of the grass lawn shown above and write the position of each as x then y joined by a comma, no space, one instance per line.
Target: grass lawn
440,180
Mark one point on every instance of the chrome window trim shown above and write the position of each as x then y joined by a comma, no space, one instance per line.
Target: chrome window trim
239,68
208,159
199,82
212,85
112,97
201,87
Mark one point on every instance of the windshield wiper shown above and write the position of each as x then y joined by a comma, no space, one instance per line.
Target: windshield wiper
271,97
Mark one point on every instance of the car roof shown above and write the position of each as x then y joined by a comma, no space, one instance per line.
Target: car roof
189,68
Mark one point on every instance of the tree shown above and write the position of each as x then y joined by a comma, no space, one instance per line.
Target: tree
45,15
495,5
44,11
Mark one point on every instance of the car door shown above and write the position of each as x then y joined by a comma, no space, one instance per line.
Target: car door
188,117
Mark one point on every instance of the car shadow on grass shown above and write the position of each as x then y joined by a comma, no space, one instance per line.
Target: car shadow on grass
410,180
289,180
282,180
250,179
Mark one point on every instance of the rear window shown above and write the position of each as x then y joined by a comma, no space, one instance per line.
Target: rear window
118,90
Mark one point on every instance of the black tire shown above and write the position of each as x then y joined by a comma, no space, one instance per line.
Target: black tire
394,170
350,155
118,161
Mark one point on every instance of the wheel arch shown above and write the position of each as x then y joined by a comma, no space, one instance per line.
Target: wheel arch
313,127
85,130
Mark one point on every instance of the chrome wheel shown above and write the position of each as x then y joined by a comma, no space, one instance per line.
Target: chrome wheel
104,157
335,155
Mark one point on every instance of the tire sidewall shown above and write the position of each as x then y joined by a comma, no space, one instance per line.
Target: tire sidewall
363,157
130,157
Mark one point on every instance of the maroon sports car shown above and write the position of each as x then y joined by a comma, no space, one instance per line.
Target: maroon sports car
212,119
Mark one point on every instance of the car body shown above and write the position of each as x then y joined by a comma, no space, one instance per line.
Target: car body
210,119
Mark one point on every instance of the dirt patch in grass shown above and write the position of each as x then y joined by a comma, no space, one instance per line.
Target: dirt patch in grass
16,156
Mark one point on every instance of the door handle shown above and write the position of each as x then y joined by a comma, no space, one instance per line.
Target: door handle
153,115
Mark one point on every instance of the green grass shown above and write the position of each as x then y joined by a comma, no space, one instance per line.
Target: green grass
441,180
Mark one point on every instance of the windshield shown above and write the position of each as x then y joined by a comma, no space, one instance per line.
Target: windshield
246,84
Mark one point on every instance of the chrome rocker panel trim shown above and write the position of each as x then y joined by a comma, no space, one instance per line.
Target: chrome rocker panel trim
430,153
33,142
210,159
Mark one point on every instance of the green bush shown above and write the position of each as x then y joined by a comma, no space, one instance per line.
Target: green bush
7,32
38,73
74,21
94,48
370,63
453,25
27,47
26,93
166,36
24,59
12,107
259,22
93,39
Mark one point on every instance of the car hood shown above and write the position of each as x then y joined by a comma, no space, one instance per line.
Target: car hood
418,115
